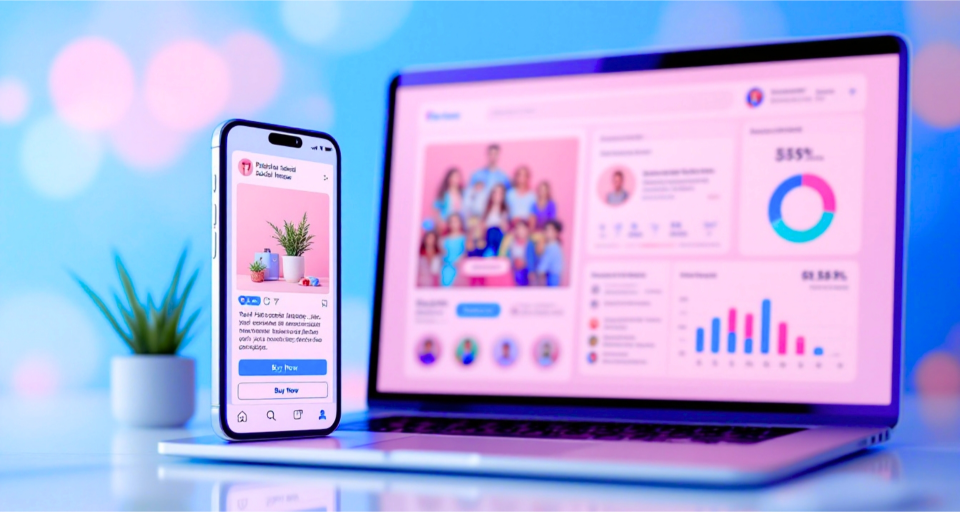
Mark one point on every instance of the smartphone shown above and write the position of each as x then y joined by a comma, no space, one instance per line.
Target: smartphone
276,281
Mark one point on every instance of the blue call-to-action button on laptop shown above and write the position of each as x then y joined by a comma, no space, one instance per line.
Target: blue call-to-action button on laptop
265,367
249,300
478,310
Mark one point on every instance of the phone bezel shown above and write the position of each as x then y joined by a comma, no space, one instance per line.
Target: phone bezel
220,144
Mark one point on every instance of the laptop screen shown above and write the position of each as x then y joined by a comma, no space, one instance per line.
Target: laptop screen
708,233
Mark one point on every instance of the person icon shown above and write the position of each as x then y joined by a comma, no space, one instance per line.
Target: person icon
506,352
428,351
618,195
323,414
754,97
546,352
467,351
245,167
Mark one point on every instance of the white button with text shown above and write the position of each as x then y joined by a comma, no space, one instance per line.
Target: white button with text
281,390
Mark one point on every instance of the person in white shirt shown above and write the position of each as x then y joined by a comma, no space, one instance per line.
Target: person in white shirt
520,197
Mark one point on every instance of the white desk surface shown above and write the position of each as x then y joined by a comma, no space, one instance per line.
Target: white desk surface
67,453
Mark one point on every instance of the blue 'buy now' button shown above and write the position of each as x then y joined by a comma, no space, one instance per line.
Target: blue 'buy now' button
264,367
478,310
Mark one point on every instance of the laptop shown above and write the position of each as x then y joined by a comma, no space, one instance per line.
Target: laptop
678,267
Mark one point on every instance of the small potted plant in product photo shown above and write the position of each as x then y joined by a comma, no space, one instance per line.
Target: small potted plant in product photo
295,240
153,387
257,270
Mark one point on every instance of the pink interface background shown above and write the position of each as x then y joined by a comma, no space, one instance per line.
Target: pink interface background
873,346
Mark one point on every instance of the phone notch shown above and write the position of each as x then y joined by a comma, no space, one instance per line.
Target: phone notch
281,139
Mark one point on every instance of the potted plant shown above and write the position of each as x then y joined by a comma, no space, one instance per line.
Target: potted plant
257,270
295,240
154,387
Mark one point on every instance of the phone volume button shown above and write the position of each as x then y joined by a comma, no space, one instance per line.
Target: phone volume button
214,256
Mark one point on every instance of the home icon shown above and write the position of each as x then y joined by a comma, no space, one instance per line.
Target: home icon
242,417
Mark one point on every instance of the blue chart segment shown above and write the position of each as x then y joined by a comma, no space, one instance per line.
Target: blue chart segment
776,204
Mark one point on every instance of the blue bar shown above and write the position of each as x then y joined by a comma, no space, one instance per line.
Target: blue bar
700,339
715,336
748,346
818,351
731,342
267,367
765,326
478,310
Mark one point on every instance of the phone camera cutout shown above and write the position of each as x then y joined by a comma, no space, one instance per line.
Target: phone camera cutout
285,140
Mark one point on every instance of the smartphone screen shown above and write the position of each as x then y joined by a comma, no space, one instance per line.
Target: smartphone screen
278,278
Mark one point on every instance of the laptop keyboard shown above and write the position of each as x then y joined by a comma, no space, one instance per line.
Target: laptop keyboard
599,431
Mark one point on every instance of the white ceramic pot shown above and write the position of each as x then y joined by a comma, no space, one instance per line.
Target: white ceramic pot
292,268
152,390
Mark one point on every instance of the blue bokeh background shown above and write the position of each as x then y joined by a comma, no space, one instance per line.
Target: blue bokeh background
336,62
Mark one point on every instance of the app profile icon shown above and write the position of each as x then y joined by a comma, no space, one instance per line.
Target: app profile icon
245,167
428,350
467,351
594,323
616,187
591,357
593,341
754,97
546,351
505,352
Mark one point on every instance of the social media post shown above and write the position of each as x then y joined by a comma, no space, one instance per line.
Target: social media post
497,213
282,313
660,195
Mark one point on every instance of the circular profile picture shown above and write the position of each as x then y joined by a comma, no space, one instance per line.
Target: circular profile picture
593,341
754,97
467,351
428,350
505,352
591,357
245,167
616,185
546,351
594,323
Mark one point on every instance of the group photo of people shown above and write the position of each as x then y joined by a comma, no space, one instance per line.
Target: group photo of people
497,214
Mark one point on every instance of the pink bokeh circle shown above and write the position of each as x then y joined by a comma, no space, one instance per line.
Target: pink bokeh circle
605,187
141,142
91,83
936,82
256,71
187,85
35,376
938,374
14,100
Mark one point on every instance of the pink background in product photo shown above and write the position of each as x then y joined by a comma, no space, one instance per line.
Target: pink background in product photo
256,205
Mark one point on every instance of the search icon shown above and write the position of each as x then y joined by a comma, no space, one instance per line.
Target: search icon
270,416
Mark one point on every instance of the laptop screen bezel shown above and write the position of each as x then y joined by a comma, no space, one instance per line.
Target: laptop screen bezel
650,409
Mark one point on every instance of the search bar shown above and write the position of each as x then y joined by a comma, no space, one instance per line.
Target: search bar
616,106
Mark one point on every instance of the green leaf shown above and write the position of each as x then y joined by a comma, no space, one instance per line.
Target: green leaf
150,328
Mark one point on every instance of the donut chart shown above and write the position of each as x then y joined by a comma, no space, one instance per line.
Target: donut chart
776,202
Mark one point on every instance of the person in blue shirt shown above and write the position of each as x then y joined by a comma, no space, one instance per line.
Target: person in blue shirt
454,245
450,195
491,175
550,264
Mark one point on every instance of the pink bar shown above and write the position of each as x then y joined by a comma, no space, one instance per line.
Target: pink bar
748,327
732,320
800,345
782,339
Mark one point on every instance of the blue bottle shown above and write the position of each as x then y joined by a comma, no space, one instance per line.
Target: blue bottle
272,262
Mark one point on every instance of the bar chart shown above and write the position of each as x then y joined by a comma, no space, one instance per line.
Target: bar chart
777,321
747,334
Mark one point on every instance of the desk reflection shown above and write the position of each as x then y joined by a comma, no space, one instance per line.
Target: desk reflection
242,487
